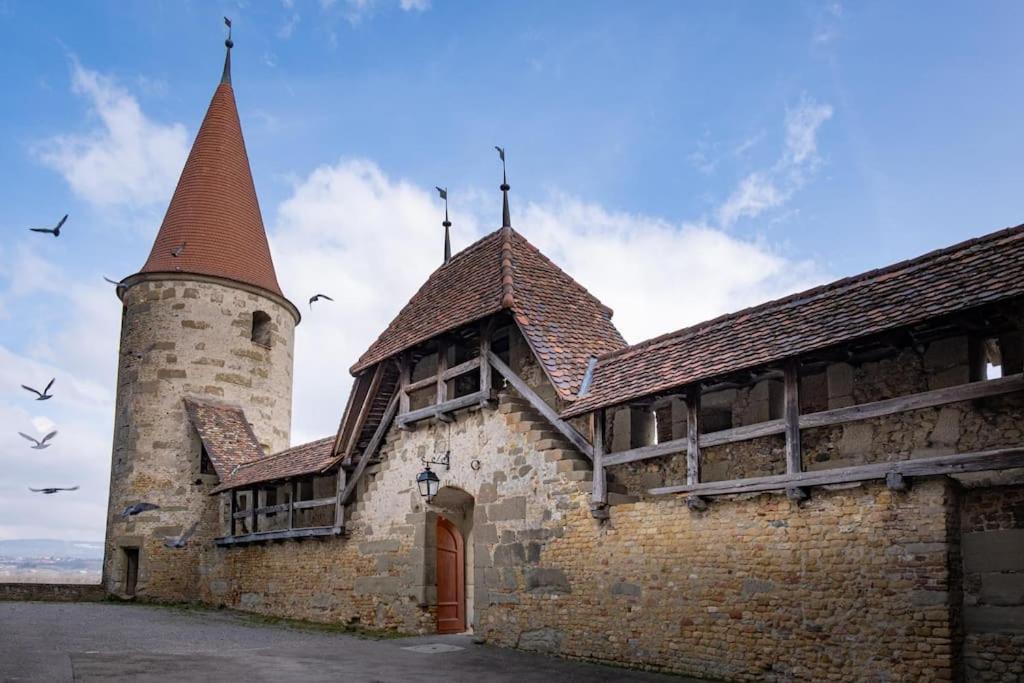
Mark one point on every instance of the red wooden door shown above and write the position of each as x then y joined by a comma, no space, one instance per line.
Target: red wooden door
451,582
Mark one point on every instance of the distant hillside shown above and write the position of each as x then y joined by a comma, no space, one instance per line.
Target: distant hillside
44,547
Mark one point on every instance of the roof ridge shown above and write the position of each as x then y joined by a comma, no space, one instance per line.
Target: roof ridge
814,292
508,299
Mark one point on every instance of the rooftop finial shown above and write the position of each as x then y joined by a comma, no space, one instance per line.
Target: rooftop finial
506,219
226,77
443,191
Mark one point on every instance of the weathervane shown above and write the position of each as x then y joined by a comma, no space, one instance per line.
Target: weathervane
226,78
447,225
506,220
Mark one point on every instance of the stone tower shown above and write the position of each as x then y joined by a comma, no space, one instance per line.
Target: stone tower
203,319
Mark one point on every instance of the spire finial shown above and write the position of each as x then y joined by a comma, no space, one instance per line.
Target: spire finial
443,191
506,219
226,77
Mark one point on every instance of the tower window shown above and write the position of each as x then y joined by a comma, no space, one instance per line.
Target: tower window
261,328
205,464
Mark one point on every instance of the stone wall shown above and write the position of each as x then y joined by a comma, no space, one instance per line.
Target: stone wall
52,592
181,337
992,536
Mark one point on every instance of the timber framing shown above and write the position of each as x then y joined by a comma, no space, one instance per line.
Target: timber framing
283,535
895,472
863,411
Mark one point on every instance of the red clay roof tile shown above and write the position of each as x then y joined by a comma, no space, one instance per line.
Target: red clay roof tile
966,275
307,458
226,434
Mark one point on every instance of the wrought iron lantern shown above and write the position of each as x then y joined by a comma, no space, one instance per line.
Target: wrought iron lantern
428,483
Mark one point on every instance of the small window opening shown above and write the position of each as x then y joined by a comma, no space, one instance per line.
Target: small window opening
663,423
993,359
131,570
270,496
205,464
261,328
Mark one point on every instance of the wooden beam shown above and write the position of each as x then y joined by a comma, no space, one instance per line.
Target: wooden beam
996,459
442,368
292,490
461,369
437,411
231,524
693,436
266,509
404,371
864,411
364,412
315,503
486,329
563,427
294,534
371,448
253,493
791,417
339,506
345,424
422,383
600,495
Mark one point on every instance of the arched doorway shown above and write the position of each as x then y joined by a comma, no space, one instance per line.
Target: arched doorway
451,579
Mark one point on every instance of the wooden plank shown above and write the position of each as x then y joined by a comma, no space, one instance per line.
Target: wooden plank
364,412
926,399
253,494
791,416
600,495
442,367
283,535
339,506
232,518
292,495
371,448
864,411
266,509
485,367
693,436
315,503
996,459
436,410
563,427
240,515
404,370
461,369
422,384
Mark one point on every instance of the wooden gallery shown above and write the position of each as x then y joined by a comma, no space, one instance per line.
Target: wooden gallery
823,487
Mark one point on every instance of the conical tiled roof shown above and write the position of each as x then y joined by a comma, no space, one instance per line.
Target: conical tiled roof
214,212
564,323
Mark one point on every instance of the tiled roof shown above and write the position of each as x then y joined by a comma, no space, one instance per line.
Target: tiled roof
226,434
214,212
564,323
296,461
966,275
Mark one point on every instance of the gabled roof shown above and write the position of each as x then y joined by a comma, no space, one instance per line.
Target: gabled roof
214,211
564,323
307,458
970,274
225,433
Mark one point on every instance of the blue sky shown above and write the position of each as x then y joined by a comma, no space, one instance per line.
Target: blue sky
681,160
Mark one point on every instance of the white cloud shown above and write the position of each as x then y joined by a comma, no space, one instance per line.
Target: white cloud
415,5
128,160
771,188
370,241
287,29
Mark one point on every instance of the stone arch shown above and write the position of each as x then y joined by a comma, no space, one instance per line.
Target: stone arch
457,507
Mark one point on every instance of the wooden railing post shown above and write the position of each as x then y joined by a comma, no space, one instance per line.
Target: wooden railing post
485,366
600,497
791,417
339,509
231,524
693,436
253,504
404,371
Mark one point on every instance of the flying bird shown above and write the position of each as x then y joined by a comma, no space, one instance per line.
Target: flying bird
137,508
42,396
180,541
317,297
40,444
51,490
176,252
55,231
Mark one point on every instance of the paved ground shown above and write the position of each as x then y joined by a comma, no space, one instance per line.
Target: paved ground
85,642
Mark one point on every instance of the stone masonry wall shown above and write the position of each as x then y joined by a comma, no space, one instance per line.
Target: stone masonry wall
185,337
992,535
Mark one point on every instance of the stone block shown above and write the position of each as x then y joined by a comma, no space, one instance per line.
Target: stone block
856,439
947,428
171,373
547,640
542,580
994,551
377,585
508,509
509,555
629,590
924,598
502,598
839,379
755,586
1000,589
251,600
992,619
